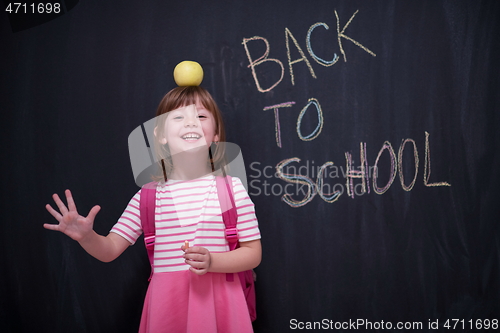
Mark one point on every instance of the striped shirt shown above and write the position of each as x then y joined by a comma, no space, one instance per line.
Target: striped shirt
188,210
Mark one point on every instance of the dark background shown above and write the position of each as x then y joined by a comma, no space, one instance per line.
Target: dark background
72,90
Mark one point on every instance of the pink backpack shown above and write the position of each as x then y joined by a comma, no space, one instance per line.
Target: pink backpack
230,217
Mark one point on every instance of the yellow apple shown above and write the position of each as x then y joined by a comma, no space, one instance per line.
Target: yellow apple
188,73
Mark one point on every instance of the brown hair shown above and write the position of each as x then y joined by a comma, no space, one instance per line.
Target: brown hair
179,97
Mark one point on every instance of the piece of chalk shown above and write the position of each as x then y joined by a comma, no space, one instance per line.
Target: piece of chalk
186,244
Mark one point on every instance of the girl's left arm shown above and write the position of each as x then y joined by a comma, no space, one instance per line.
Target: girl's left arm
247,256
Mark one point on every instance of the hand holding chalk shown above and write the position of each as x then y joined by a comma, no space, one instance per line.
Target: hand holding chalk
198,258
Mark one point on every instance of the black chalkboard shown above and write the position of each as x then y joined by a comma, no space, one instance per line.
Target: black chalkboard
393,103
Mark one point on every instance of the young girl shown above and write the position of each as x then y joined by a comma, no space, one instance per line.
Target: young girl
188,291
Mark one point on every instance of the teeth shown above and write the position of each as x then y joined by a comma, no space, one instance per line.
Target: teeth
191,136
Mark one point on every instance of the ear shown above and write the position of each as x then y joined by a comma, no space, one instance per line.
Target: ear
163,140
216,138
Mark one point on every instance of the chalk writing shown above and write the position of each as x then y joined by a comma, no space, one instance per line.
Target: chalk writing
297,179
319,127
303,57
427,165
311,52
261,60
400,164
289,36
306,188
380,190
341,34
329,197
313,135
364,173
277,118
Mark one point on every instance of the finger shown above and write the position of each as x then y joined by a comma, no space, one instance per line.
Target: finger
195,257
198,271
93,212
197,249
53,212
69,199
60,204
51,226
197,264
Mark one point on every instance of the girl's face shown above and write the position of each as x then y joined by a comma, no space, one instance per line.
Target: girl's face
189,127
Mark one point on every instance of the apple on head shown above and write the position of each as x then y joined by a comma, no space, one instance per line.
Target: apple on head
188,73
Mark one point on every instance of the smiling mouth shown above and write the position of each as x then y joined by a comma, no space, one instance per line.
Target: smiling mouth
191,136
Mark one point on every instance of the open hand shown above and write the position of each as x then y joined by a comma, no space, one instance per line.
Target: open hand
198,258
70,222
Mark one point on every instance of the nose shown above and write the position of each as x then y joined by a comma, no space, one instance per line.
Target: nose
191,121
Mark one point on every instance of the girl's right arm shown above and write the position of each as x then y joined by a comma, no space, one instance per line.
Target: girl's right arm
80,228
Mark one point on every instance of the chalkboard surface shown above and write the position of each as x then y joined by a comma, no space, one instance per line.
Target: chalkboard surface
369,132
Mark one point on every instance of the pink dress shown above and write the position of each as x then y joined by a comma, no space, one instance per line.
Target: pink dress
179,300
212,304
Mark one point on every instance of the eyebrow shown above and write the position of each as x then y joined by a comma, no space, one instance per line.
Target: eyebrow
202,109
175,112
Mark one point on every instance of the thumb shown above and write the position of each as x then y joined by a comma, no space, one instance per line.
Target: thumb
93,212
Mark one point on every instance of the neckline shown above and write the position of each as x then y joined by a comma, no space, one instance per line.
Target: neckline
180,181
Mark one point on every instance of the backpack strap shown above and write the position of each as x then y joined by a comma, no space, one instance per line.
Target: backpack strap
229,214
228,207
147,210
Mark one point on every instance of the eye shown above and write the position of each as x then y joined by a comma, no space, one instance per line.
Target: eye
202,116
178,117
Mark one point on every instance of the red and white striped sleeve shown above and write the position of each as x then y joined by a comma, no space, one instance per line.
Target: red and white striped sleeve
248,226
129,224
